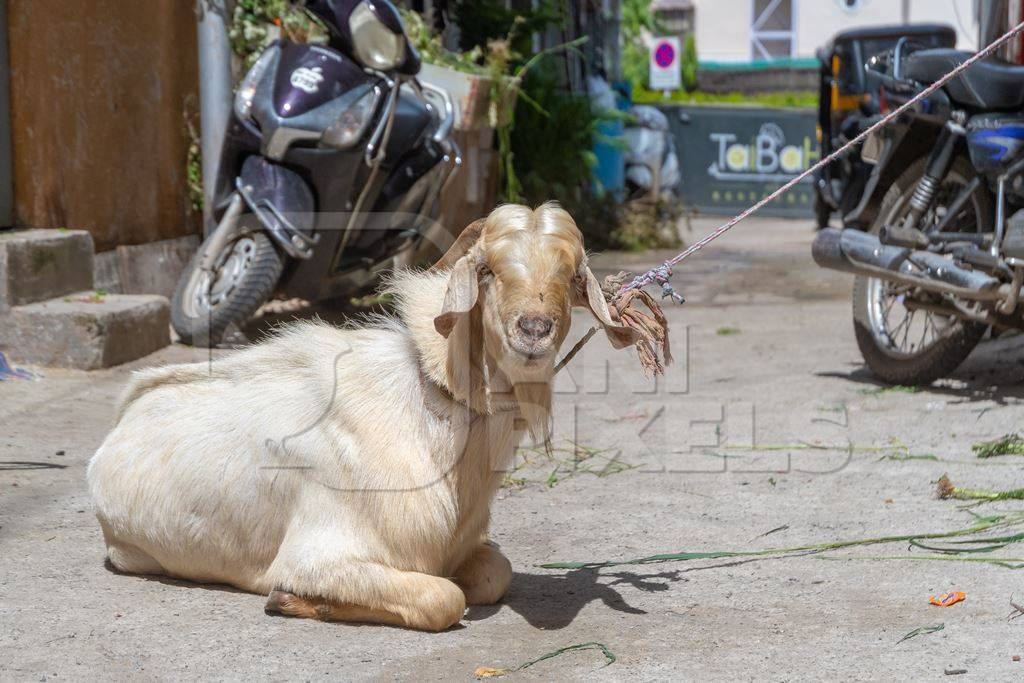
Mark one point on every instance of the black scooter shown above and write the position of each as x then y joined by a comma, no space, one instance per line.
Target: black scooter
330,174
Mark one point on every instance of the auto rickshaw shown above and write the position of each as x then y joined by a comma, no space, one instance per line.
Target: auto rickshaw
849,102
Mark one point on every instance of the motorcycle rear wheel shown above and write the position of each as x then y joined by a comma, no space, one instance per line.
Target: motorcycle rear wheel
205,305
887,340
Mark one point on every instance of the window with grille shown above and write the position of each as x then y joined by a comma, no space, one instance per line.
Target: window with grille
772,33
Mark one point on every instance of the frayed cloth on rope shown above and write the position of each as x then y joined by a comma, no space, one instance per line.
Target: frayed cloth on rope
652,346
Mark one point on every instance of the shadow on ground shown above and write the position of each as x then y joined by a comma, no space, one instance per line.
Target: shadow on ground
993,372
552,601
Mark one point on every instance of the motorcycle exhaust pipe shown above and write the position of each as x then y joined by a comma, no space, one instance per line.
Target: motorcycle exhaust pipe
857,252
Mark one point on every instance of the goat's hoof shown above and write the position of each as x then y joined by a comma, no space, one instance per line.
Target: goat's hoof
283,603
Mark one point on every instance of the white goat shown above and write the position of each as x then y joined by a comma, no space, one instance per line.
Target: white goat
349,473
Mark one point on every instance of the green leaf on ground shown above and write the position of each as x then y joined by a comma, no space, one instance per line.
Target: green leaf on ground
895,388
493,672
1009,444
946,489
921,631
608,654
980,525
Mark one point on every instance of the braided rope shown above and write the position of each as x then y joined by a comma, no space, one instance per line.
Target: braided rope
661,274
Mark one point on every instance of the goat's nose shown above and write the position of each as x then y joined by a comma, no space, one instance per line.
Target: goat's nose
535,326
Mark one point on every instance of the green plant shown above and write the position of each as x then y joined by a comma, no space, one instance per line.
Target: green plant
501,64
433,51
570,460
257,23
779,100
1009,444
194,160
637,19
551,153
539,97
959,542
947,490
481,21
688,63
544,134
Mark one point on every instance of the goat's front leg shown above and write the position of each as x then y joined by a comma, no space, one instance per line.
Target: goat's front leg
366,592
485,576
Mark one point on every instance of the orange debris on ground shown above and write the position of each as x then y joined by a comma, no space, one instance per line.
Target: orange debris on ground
947,599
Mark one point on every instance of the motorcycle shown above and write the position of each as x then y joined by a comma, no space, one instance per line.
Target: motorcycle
941,261
330,173
848,104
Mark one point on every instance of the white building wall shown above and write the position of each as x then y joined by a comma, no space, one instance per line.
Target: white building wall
722,30
957,13
723,26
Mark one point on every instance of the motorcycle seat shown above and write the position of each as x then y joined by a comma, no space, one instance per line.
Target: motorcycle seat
991,84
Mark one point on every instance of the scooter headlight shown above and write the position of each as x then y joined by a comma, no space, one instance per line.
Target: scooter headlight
350,126
247,88
375,44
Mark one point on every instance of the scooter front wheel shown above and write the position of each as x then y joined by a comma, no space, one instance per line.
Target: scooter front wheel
207,302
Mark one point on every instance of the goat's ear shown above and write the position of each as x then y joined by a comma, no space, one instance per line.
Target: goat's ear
462,293
589,294
463,243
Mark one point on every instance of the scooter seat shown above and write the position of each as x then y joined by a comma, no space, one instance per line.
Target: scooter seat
991,84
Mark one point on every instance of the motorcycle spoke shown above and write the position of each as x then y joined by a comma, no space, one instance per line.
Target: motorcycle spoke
888,307
908,321
924,330
935,328
895,333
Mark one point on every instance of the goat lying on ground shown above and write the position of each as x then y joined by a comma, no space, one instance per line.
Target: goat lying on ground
349,473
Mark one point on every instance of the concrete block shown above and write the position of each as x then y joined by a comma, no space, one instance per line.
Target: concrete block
36,265
154,268
86,331
105,273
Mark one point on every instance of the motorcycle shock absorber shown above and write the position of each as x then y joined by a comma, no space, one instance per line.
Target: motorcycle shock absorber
908,235
935,171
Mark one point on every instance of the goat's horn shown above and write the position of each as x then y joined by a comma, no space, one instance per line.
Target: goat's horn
462,244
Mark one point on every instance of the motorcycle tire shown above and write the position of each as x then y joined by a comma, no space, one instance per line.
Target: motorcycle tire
247,276
946,352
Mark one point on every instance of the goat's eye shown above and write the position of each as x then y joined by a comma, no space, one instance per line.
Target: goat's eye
483,270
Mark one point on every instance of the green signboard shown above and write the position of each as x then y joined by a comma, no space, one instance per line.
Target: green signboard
731,157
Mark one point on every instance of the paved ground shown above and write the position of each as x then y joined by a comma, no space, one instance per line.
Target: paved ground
766,359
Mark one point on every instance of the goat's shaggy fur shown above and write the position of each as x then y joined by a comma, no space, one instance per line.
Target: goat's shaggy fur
348,473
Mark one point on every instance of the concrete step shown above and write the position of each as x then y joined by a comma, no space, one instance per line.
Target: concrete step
85,330
36,265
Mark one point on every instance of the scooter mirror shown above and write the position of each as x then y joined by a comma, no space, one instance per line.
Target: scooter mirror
370,31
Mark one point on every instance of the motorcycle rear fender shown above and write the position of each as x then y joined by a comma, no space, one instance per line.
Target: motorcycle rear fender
901,146
282,202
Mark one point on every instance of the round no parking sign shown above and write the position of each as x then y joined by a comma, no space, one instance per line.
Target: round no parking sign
664,54
665,72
